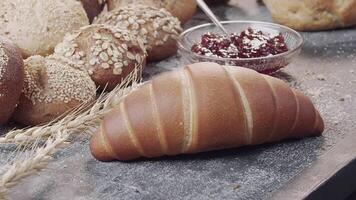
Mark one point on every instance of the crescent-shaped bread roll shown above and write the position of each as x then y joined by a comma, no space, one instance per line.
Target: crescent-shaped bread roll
204,107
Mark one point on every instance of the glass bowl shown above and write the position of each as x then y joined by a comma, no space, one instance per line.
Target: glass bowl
265,65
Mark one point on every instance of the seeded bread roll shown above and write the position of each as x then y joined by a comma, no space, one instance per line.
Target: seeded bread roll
316,15
11,78
52,87
182,9
93,7
158,28
36,26
108,54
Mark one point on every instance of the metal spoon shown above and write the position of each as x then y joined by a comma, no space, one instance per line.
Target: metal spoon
211,15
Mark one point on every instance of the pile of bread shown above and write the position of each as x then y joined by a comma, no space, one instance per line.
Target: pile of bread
55,54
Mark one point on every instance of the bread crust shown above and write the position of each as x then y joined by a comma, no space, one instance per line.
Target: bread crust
158,29
52,88
36,26
28,113
305,15
108,54
182,9
93,8
11,78
204,107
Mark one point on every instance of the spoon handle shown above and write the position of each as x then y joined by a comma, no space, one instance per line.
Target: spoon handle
211,15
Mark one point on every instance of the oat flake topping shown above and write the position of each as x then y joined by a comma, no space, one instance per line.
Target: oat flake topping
109,48
155,26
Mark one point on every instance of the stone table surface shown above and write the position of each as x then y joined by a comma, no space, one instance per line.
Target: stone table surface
325,71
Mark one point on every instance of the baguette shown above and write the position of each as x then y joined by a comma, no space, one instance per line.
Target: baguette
204,107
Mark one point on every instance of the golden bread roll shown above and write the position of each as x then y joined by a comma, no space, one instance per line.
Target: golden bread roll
204,107
182,9
36,26
306,15
11,78
157,27
52,87
107,53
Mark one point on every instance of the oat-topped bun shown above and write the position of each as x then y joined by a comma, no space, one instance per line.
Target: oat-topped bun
11,78
182,9
36,26
52,87
108,54
157,27
93,7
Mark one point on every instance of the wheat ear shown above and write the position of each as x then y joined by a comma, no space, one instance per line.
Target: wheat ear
24,166
79,120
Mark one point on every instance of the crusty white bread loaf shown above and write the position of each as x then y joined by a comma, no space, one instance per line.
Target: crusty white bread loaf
11,78
36,26
158,29
306,15
204,107
52,87
107,53
182,9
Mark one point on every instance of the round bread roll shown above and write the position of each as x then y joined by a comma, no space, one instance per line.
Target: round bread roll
313,15
108,54
93,7
36,26
52,87
11,78
158,28
182,9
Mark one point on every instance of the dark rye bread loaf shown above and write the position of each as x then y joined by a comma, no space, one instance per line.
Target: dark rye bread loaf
11,78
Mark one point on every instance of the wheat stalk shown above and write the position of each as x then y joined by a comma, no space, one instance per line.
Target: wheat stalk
84,119
78,121
24,166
